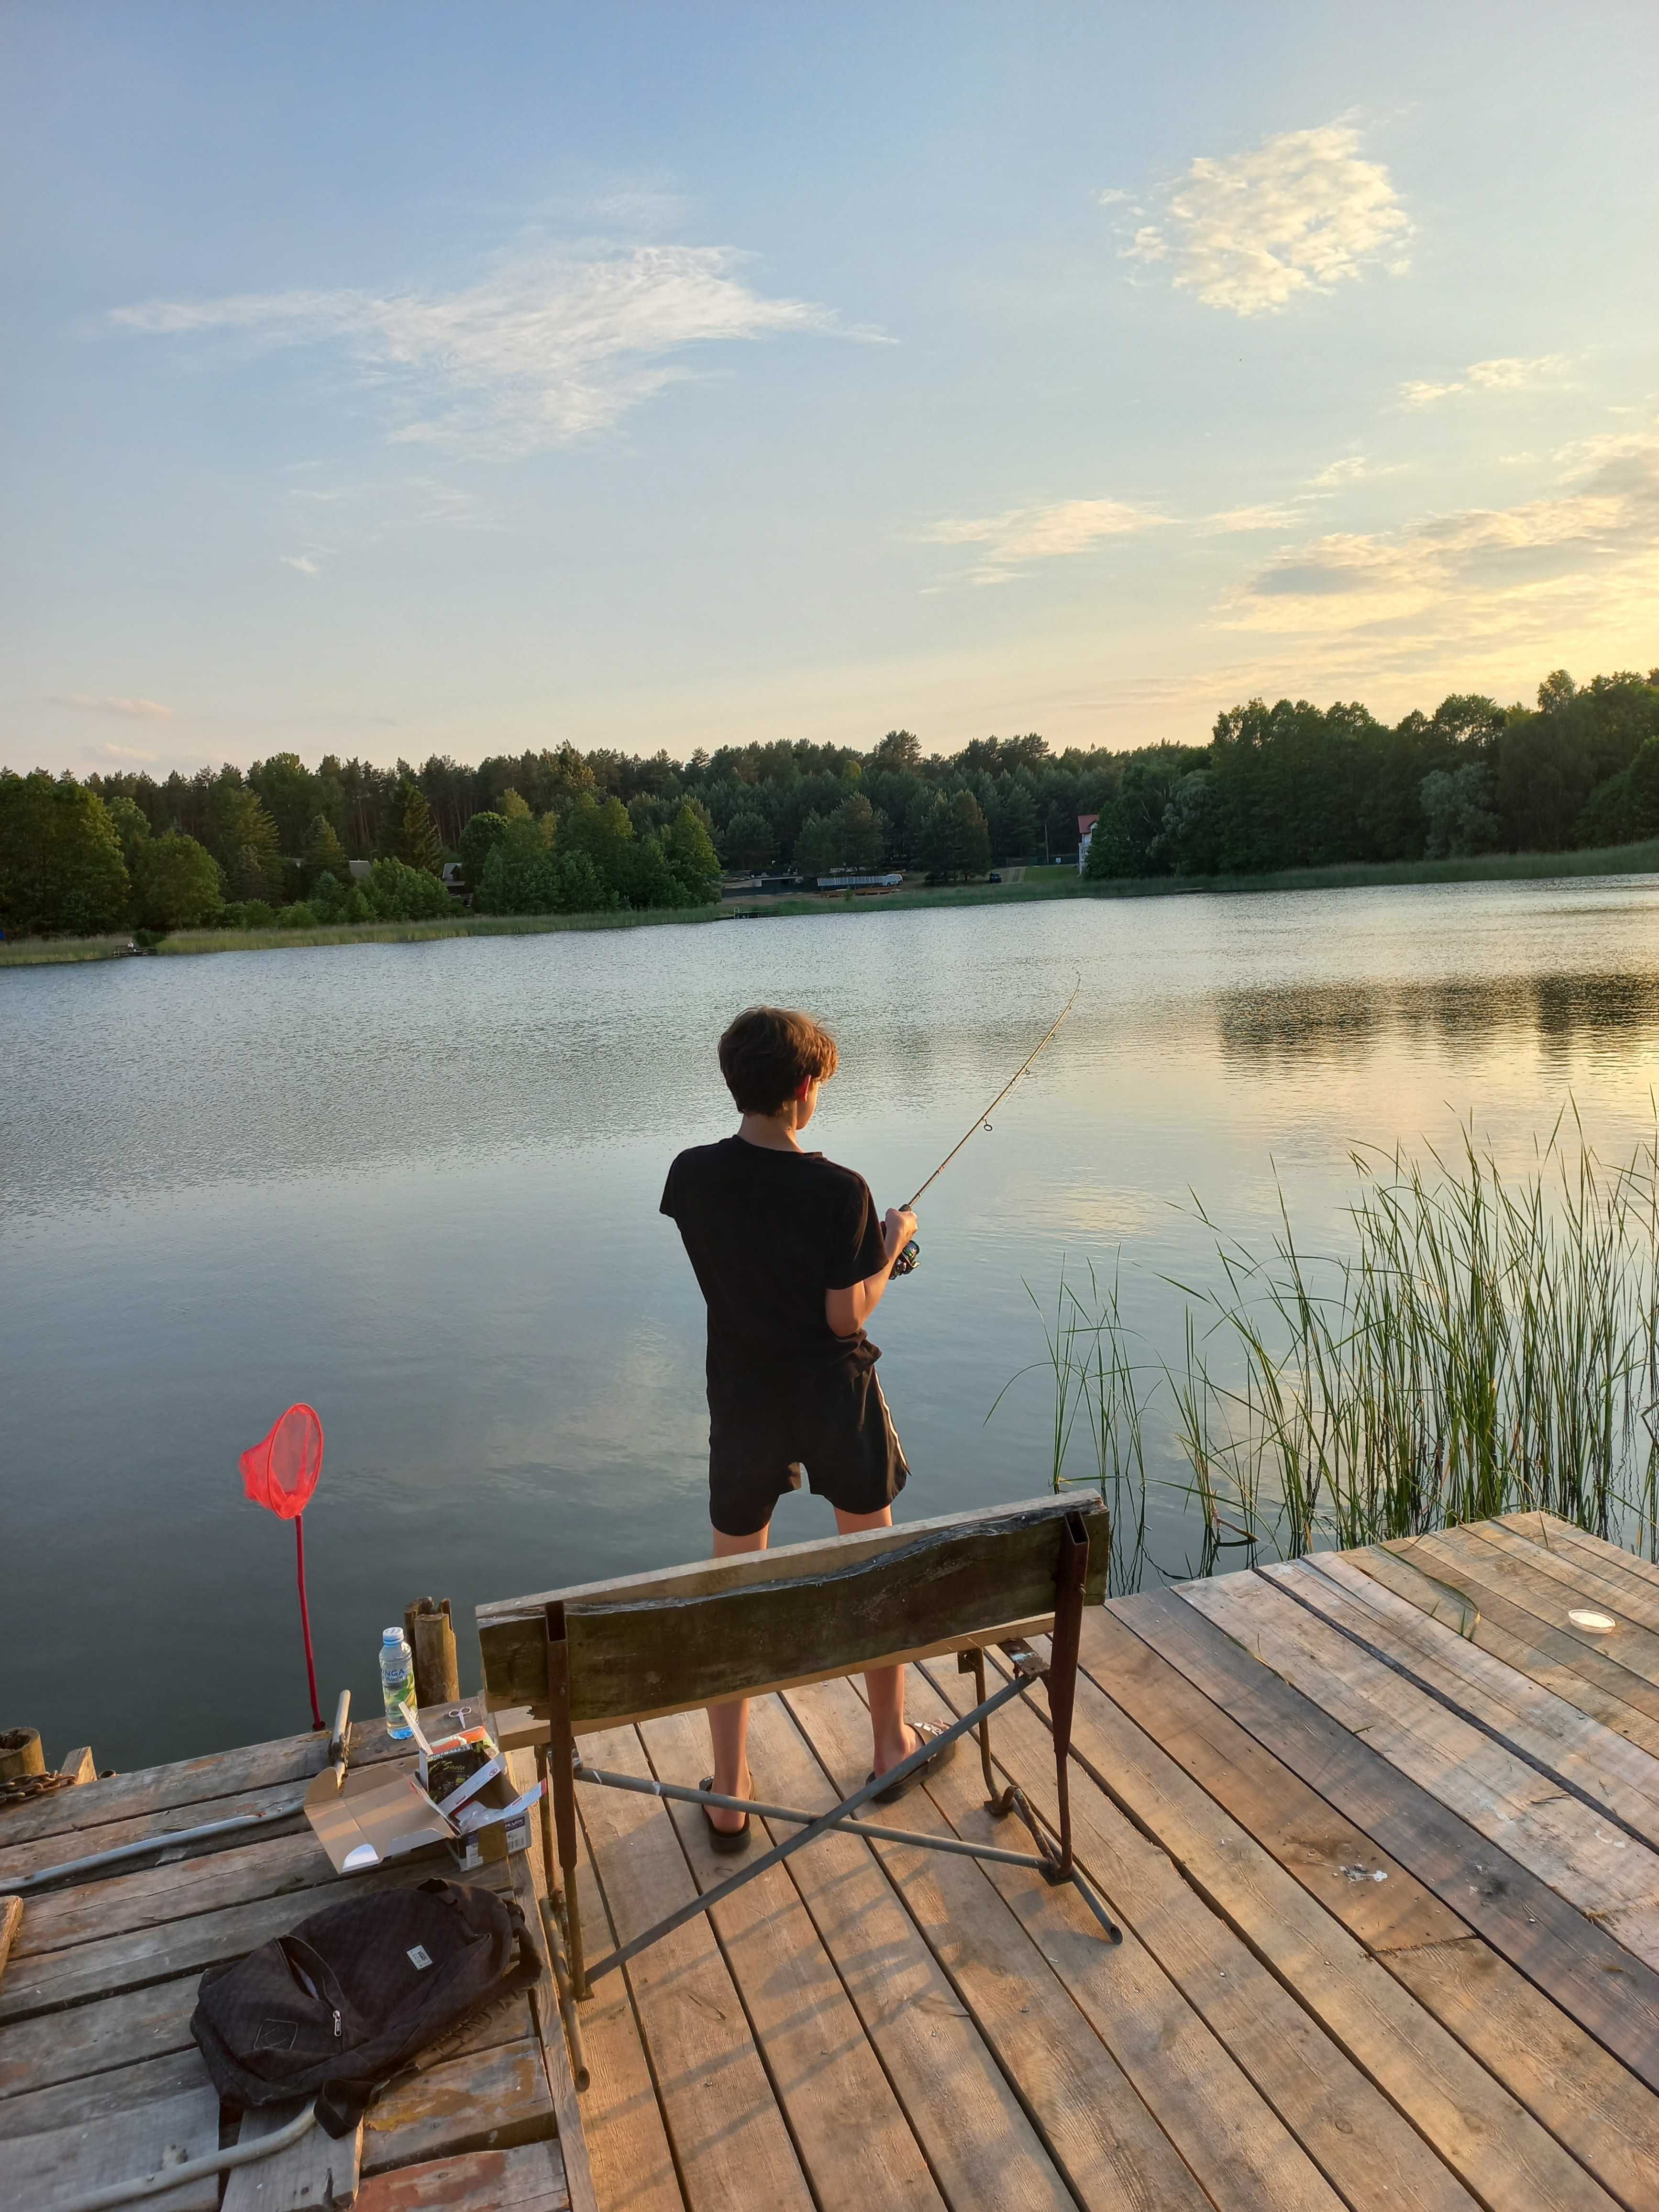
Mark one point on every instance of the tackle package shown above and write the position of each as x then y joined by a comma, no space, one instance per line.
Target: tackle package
455,1791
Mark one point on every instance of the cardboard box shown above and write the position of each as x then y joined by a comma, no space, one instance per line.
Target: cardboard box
383,1812
377,1813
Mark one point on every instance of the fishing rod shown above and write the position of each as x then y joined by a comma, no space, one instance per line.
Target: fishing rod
906,1263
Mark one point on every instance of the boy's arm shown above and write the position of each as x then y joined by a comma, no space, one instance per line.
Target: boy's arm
848,1310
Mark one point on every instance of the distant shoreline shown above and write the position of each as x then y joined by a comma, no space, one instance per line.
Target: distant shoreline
1044,883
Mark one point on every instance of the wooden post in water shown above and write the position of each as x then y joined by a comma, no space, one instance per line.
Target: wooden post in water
21,1753
432,1640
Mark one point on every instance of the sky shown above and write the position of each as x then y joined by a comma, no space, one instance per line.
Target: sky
399,378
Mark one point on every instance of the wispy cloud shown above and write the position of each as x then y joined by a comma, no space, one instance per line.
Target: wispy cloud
1010,543
1351,469
1299,213
1586,555
302,562
544,351
1507,374
1287,517
118,756
143,710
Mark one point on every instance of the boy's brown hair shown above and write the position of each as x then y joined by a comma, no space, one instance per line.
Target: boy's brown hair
769,1052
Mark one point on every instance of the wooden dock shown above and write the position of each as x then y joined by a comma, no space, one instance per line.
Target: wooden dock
99,2075
1380,1829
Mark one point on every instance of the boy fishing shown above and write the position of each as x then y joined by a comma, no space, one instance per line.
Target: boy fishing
791,1260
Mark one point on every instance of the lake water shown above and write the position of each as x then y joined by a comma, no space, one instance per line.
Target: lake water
417,1185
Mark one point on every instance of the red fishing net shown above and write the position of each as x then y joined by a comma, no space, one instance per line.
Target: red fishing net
282,1472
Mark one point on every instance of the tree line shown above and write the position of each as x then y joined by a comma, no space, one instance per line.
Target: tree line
1294,786
558,830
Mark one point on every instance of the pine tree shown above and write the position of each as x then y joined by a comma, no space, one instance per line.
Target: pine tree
241,836
415,839
324,854
690,855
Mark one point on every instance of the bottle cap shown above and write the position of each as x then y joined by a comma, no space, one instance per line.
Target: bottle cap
391,1636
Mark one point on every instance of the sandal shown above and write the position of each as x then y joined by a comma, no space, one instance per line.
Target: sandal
926,1731
723,1839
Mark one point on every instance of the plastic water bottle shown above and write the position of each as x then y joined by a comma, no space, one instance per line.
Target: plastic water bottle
397,1682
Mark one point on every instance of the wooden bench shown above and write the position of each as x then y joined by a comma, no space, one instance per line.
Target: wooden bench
570,1662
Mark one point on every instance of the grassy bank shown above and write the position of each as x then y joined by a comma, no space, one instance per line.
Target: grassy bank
40,950
1640,860
1037,882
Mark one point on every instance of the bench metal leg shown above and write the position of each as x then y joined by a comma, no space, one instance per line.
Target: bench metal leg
549,1851
1073,1570
998,1802
560,1761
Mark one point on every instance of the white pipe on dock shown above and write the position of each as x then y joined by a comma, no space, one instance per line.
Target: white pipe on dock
190,2169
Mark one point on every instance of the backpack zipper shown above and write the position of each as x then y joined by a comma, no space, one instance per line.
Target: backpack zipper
336,2024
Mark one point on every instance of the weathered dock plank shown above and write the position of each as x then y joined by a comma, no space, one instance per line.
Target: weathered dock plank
1482,2132
977,2137
528,2179
41,2172
849,2130
1613,1995
1567,1844
1597,1762
1354,2141
730,2138
1591,1680
1589,2102
1096,2128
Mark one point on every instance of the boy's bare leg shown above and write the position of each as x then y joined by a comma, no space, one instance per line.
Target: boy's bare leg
728,1725
883,1685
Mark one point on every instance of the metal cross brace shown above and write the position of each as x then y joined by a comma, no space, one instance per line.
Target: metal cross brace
841,1817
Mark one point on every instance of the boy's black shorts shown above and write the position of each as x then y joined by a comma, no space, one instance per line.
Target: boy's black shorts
835,1423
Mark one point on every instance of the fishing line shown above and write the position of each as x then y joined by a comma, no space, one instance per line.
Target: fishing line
906,1263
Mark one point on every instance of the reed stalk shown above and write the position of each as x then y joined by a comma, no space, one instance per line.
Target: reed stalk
1476,1342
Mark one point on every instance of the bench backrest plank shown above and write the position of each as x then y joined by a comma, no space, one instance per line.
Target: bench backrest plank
720,1630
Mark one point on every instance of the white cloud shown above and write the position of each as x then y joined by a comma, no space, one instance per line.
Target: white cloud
1302,212
302,562
118,756
1116,197
1255,518
1508,375
144,710
1012,541
1353,468
544,351
1582,561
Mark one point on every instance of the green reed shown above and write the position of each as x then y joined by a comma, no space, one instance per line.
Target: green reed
1479,1343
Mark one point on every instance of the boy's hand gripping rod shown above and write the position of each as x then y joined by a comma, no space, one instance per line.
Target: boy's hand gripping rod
906,1263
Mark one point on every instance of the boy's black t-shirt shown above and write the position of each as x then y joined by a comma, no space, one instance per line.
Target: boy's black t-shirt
767,1232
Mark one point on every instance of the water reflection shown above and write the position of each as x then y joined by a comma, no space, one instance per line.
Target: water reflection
417,1185
1268,1031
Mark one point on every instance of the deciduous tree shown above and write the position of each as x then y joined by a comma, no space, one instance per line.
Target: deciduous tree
478,841
61,866
175,883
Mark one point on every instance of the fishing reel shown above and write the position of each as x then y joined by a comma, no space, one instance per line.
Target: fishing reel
909,1256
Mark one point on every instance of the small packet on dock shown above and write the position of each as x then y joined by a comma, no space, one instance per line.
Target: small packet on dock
448,1762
